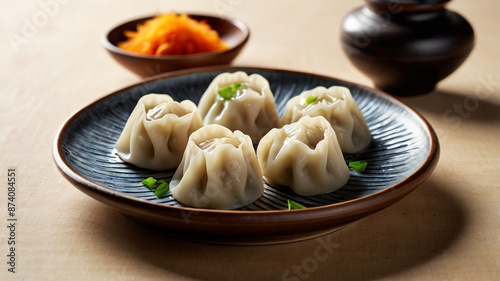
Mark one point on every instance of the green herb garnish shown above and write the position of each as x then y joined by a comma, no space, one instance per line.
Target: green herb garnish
358,166
294,205
149,182
229,91
162,188
311,99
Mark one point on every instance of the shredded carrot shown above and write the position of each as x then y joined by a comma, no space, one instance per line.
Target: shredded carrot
172,34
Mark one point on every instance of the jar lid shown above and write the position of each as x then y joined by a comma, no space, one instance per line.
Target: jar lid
409,5
409,2
409,36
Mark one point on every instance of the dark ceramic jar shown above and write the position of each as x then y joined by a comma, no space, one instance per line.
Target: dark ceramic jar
406,46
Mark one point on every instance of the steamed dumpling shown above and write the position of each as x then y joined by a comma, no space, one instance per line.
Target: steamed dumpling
339,108
219,170
240,102
157,132
304,155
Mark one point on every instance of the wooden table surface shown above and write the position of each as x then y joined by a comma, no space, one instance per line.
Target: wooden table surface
447,229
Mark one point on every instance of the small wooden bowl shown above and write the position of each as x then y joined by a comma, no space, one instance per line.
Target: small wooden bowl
234,32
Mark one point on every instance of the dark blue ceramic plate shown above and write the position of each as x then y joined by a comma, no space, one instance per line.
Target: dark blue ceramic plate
403,153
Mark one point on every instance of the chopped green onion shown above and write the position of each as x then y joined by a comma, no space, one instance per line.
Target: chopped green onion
311,99
149,182
229,91
358,166
294,205
162,188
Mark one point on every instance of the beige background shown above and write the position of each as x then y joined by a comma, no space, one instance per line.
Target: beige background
448,229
